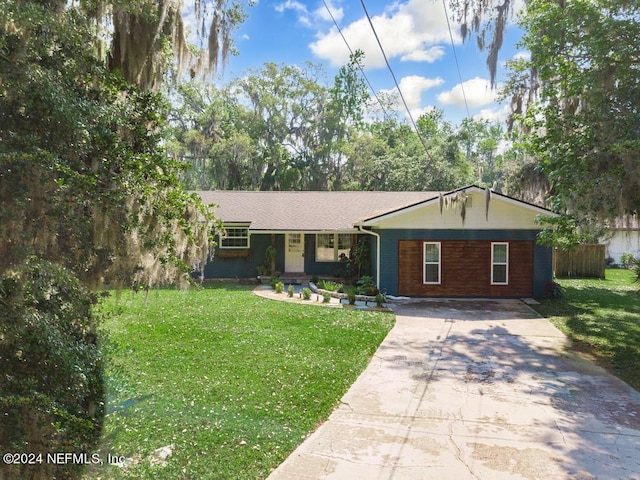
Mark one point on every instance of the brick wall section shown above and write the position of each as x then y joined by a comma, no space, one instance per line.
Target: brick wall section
465,269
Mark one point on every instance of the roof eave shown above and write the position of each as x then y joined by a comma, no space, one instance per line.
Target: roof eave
372,221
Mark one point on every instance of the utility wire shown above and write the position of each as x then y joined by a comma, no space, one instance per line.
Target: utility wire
351,52
395,80
464,96
455,56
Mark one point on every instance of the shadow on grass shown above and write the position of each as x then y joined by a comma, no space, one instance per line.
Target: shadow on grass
603,323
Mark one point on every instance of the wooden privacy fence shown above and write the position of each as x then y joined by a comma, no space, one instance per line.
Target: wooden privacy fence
580,261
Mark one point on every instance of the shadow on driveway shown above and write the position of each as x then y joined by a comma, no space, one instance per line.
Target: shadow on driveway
476,389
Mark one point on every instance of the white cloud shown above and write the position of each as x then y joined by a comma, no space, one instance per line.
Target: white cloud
477,91
412,88
430,55
299,8
308,19
322,13
494,114
290,5
522,56
409,30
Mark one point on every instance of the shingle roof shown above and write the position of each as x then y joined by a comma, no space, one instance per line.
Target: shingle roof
306,211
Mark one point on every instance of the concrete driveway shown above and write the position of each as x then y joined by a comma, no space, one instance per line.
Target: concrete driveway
475,389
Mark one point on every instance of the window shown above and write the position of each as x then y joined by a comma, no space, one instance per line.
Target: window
432,263
295,243
235,237
331,246
499,263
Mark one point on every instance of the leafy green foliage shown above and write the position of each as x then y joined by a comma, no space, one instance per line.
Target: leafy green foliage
275,279
85,185
366,285
581,75
627,260
51,370
331,286
234,382
306,293
82,179
351,295
635,267
280,127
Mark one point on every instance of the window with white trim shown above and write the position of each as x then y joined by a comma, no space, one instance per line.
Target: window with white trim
331,246
235,237
432,264
499,263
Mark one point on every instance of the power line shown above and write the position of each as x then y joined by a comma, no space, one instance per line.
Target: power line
352,54
455,56
395,80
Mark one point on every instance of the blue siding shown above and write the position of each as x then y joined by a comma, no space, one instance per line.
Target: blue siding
542,270
246,267
327,269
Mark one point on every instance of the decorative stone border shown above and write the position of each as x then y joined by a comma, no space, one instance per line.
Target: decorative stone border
343,296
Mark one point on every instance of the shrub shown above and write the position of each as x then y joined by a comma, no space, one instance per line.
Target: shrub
314,279
366,286
306,293
290,291
51,372
379,299
627,260
274,280
326,297
351,296
635,266
279,287
330,286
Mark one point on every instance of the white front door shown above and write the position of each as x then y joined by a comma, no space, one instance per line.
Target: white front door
294,257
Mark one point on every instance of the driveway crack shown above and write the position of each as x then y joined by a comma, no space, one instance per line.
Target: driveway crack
458,455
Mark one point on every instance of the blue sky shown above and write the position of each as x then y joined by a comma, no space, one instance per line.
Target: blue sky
413,33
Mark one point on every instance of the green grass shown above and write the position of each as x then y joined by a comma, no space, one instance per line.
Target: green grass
602,317
234,382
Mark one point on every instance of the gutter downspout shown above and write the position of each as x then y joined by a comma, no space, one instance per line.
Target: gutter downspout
377,235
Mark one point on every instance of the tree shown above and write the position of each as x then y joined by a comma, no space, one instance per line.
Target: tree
480,139
88,197
148,37
345,112
51,370
389,155
209,134
83,181
488,19
578,103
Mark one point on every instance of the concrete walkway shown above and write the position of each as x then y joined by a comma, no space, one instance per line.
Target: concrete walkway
477,389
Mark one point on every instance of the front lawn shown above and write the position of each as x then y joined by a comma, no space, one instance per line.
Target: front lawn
232,382
602,317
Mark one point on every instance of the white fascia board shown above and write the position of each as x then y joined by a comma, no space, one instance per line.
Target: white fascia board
371,222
